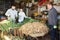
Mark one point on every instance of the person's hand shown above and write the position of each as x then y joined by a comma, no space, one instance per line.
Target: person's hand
29,17
9,16
55,27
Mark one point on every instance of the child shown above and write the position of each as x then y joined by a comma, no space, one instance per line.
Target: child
21,16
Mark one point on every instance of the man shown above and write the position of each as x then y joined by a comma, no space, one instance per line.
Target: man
52,20
11,13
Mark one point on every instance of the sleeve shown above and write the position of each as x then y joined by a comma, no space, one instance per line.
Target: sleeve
19,14
16,14
7,13
54,18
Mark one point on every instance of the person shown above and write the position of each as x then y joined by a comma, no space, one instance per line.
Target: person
52,20
21,16
11,13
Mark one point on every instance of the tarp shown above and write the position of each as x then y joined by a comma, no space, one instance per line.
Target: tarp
41,2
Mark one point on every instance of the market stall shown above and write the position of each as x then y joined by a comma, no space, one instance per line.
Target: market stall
32,27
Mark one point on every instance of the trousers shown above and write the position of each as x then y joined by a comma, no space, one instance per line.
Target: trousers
52,32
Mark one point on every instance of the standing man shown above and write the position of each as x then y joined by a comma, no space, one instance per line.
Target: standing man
11,13
52,20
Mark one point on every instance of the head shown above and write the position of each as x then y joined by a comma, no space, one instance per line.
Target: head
49,6
21,10
13,7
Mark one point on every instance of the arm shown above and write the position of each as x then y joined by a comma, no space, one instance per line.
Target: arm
25,16
7,13
16,14
54,14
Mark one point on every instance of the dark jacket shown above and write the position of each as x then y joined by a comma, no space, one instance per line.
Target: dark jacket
52,16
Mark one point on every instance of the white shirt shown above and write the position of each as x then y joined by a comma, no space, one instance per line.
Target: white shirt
21,16
11,13
29,5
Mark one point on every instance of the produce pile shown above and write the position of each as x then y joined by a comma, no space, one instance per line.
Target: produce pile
34,29
28,27
7,25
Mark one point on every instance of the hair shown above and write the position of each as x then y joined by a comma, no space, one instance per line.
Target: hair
14,5
50,3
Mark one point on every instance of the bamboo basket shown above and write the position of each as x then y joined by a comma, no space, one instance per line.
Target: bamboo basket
34,29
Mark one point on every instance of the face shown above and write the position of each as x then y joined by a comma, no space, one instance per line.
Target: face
13,7
21,10
49,6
